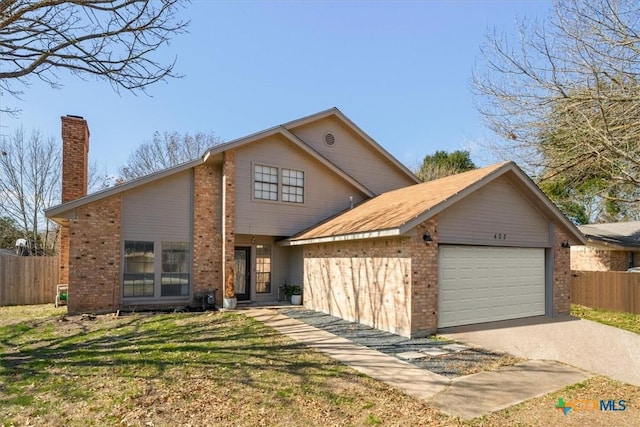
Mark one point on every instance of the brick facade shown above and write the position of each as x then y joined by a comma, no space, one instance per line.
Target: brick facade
94,257
561,275
366,281
390,283
207,233
587,258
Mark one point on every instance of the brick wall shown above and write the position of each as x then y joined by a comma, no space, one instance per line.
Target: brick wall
561,275
366,281
228,170
424,290
94,257
207,237
587,258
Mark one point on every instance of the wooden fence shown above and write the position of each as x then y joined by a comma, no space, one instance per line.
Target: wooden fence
608,290
28,280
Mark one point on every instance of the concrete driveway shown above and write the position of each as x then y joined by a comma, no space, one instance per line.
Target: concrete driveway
591,346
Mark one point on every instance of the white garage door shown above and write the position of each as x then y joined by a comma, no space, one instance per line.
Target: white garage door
484,283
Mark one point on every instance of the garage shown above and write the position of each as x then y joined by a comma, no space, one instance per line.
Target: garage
487,283
481,246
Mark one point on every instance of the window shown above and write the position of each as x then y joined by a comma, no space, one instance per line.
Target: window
175,276
265,182
263,269
292,186
138,280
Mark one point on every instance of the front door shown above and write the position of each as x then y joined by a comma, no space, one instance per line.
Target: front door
242,273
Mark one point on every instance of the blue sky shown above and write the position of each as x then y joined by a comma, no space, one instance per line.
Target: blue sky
400,70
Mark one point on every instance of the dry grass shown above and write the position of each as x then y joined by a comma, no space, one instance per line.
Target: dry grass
217,369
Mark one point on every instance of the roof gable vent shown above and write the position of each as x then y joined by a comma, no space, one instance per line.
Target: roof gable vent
329,139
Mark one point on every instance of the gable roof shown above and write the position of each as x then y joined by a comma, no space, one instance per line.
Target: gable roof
613,235
285,130
57,213
396,212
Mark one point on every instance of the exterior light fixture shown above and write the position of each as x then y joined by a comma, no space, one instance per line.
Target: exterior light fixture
565,244
427,238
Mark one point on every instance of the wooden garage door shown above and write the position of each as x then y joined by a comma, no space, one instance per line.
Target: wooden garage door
485,283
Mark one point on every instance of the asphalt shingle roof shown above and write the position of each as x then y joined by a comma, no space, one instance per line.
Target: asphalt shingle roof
394,209
625,234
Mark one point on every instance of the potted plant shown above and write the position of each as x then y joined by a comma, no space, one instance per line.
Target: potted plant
296,295
229,301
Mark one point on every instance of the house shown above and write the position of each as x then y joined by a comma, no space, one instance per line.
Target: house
609,247
315,202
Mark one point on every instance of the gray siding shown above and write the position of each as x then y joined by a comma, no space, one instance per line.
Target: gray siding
498,215
160,211
325,192
353,155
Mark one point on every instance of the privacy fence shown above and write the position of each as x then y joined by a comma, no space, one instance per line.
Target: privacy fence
608,290
28,280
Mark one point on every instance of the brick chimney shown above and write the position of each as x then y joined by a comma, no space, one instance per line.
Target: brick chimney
75,157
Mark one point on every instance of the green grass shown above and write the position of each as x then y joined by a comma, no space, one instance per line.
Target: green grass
180,369
627,321
212,369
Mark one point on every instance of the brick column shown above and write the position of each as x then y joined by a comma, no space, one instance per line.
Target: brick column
228,171
424,280
207,240
561,275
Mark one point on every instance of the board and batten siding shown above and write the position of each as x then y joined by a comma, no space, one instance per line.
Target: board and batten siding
326,193
161,211
354,155
496,215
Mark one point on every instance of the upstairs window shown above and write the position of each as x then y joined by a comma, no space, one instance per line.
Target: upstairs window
292,186
265,183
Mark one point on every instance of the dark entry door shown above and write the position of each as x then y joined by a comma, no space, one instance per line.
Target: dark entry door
242,273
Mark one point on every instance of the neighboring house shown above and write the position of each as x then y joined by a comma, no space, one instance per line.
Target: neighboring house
610,247
8,252
315,202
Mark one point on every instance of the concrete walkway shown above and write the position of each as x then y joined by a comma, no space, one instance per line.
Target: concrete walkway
466,397
588,345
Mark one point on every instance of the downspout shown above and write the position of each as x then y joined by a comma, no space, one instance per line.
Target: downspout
224,232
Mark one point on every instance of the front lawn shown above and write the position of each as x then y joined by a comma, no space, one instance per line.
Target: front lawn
203,369
180,369
627,321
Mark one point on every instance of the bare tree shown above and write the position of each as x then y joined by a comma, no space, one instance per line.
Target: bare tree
563,96
29,183
165,150
112,40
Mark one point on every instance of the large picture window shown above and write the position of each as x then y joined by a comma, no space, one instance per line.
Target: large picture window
292,186
265,182
175,275
263,269
138,280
